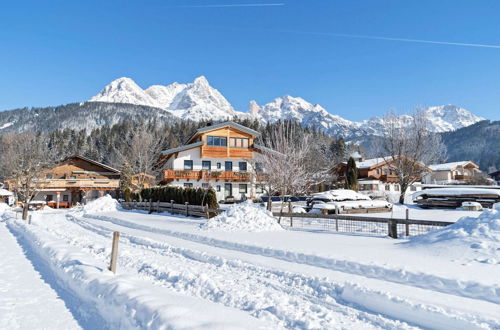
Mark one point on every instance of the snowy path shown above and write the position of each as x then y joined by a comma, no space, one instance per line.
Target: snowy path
27,301
277,286
285,294
280,298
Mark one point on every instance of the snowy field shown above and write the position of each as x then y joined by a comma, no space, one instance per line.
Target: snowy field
241,271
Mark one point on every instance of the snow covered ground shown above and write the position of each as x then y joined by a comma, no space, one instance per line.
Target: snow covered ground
173,272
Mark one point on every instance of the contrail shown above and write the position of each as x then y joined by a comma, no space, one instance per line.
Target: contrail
234,5
360,36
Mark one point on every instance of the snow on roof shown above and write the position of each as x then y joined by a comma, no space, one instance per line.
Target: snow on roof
341,195
367,163
456,192
182,148
449,166
4,192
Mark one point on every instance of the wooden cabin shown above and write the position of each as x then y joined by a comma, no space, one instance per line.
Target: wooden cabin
76,180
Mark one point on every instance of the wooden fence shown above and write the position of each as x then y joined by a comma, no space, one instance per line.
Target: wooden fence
350,223
173,208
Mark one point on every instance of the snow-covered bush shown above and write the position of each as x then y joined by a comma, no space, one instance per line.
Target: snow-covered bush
245,216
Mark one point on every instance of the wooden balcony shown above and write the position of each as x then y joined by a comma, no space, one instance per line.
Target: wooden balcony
392,178
170,175
461,177
89,184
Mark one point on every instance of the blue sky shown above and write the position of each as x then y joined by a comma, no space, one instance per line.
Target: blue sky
59,52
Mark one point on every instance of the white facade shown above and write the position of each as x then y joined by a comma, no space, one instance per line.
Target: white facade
378,188
223,188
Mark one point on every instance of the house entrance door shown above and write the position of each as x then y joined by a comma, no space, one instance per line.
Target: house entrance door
228,190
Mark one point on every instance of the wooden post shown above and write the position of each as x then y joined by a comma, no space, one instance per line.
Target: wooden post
158,206
29,219
207,214
172,206
114,252
150,205
290,209
187,209
407,225
393,228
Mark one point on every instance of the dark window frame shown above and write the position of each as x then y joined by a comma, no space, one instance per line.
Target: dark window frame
205,162
226,166
245,167
188,164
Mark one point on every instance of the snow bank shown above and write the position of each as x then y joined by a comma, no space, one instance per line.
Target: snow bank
341,195
102,204
4,208
479,236
245,216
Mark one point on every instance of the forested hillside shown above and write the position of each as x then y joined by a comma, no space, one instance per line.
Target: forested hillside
479,142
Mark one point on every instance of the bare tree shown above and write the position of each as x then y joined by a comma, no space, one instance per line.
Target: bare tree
23,159
285,160
142,153
407,145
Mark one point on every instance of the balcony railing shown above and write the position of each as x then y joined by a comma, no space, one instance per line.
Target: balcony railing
169,175
393,178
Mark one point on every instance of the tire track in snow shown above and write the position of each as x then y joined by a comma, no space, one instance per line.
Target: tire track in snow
319,297
348,295
459,288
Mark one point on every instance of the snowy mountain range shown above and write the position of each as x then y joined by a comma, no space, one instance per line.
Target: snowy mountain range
199,101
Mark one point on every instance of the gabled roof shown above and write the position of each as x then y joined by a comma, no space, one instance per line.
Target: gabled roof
450,166
224,124
109,168
181,148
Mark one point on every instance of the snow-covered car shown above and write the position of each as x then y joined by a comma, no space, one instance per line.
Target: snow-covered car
342,200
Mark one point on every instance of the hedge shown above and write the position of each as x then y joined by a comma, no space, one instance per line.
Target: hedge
194,196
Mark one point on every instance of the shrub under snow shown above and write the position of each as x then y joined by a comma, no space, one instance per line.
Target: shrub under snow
102,204
479,236
245,216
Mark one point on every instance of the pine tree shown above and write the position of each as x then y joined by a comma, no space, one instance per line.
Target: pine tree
352,174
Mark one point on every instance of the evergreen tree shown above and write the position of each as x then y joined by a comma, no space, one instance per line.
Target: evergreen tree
351,174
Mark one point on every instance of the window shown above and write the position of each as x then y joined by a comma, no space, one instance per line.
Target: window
228,166
259,189
48,176
72,177
217,141
65,198
205,185
376,171
218,187
188,164
396,187
242,166
387,171
387,187
243,188
188,185
219,166
413,188
49,198
258,167
238,142
206,165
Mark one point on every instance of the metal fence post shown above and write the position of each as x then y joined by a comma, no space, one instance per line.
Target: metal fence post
407,225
